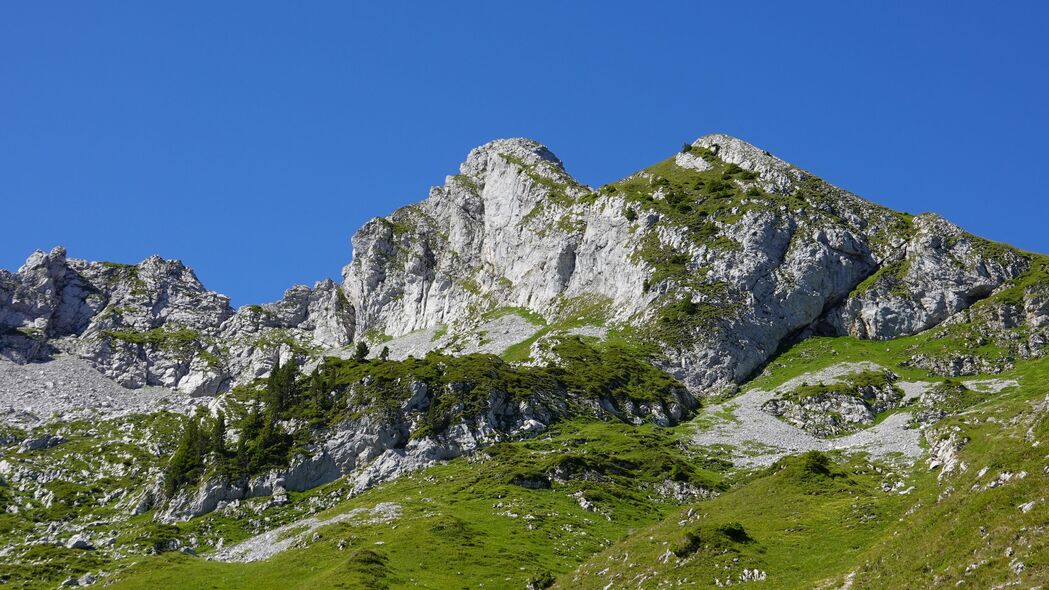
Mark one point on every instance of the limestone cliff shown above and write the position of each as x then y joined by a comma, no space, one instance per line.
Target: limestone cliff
719,254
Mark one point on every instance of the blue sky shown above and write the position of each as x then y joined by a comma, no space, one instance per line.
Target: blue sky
251,139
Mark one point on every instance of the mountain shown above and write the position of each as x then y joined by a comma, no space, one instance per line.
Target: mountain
723,325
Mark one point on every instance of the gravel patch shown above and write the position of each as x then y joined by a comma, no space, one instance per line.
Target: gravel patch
912,390
416,344
758,438
991,385
495,336
490,337
68,388
594,331
283,538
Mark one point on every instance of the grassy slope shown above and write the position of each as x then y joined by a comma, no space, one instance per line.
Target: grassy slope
464,523
816,532
804,528
801,525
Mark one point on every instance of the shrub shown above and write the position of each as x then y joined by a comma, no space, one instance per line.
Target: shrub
815,462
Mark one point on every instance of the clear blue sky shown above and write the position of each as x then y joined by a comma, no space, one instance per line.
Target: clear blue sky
252,139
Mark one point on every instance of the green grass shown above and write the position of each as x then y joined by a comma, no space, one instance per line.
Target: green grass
533,318
173,338
572,312
466,523
808,521
893,272
804,519
814,524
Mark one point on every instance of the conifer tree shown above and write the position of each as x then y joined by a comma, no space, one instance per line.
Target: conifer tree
361,352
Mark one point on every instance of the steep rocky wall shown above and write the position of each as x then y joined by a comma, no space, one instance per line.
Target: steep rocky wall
513,229
154,323
781,254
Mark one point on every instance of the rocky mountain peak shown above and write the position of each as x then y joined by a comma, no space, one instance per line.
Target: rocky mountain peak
717,254
525,151
776,175
44,260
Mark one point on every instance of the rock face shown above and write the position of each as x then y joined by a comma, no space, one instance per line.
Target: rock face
155,324
941,272
378,447
719,255
485,237
513,229
837,409
375,449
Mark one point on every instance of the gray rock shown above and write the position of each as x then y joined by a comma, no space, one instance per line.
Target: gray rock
79,542
942,272
45,441
154,323
513,229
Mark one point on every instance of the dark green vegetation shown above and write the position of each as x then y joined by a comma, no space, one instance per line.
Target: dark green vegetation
460,389
262,442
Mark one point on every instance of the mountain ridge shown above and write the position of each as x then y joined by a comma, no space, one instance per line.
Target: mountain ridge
514,227
562,356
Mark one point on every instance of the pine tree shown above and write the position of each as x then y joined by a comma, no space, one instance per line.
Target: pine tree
188,461
280,388
361,352
218,435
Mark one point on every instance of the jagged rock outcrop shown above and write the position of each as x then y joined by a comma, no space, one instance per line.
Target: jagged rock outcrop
839,408
154,323
489,235
773,174
377,446
719,254
305,321
513,229
941,272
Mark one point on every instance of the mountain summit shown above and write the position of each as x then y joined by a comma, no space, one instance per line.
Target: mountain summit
721,352
718,255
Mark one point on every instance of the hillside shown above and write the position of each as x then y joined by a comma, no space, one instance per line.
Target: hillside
719,370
